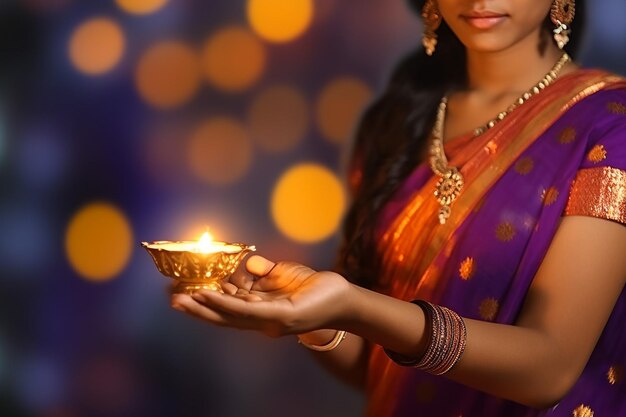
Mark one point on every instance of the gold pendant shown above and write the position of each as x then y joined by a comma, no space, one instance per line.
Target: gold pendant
447,190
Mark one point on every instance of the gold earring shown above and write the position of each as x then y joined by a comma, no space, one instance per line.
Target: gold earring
562,15
432,21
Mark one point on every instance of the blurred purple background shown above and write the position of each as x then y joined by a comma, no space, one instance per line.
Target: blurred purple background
131,120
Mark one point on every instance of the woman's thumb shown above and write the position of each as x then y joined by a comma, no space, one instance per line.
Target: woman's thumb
259,266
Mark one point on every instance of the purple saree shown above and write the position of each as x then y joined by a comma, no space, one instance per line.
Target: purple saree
561,153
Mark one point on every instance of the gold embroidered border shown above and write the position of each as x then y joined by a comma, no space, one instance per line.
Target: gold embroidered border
599,192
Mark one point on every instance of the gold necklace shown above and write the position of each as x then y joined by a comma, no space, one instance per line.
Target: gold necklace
451,180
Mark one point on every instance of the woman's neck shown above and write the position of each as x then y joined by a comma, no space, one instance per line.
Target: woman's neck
509,71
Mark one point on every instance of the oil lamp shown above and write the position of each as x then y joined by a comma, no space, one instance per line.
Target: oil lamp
197,265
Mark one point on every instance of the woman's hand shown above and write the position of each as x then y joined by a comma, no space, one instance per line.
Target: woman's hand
285,298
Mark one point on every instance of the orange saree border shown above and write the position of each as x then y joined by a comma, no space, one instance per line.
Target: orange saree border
415,238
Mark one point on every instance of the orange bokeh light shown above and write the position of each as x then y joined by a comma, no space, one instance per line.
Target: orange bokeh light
96,46
141,6
279,20
220,151
233,59
279,118
98,241
168,74
339,106
308,202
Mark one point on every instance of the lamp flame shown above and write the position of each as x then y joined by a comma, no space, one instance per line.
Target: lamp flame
205,243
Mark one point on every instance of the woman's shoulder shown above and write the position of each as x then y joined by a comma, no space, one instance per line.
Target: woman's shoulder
608,88
600,102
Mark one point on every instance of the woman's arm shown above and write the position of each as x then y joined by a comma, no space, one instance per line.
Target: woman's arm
534,362
348,361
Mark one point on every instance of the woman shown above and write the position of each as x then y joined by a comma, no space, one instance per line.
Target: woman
507,232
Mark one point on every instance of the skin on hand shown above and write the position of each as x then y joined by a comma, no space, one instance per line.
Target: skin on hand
280,298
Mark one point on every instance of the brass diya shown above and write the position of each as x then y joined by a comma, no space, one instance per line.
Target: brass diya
197,265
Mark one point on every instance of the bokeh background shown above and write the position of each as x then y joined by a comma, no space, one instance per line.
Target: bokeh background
130,120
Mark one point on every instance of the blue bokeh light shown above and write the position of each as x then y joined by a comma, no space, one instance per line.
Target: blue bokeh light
41,157
40,383
26,242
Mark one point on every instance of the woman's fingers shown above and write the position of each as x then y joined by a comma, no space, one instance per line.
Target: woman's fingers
276,276
229,288
259,266
186,304
247,306
241,279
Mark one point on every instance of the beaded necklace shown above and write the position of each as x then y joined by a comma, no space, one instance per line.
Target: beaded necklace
451,180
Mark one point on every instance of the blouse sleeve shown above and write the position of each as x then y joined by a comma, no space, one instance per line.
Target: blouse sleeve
599,189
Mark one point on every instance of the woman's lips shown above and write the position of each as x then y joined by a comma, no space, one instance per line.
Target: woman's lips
484,20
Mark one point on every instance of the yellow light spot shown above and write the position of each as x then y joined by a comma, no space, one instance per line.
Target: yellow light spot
550,196
568,135
307,203
467,268
233,59
616,108
141,6
280,20
505,232
597,154
168,74
220,151
98,241
488,309
339,105
583,411
524,166
615,375
279,118
97,46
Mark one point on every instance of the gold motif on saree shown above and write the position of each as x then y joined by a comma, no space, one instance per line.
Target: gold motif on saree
597,154
568,135
549,196
467,268
599,192
616,108
488,309
615,375
525,165
505,232
582,411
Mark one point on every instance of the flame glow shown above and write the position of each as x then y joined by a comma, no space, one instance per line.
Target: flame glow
205,243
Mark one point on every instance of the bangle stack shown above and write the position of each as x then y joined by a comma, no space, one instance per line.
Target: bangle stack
336,340
448,337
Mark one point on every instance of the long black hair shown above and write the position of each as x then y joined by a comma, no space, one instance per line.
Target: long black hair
390,139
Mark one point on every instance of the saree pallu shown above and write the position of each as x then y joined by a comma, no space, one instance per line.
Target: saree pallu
561,153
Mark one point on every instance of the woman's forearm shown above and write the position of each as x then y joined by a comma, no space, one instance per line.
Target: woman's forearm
348,361
516,363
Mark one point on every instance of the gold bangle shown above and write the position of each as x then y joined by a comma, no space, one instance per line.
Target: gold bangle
339,336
